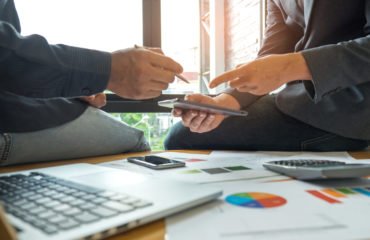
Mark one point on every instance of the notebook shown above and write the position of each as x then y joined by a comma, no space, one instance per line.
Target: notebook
85,201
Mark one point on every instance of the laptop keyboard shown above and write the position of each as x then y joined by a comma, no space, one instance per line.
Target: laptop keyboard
53,204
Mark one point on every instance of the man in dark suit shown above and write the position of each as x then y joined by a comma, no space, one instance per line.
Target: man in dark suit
321,51
42,116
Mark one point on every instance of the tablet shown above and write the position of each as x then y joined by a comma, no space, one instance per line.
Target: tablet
178,103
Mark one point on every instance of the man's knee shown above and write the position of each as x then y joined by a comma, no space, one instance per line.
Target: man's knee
142,145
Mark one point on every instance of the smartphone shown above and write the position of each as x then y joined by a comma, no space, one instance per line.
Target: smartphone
155,162
178,103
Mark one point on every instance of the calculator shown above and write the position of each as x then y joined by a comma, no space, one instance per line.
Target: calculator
318,169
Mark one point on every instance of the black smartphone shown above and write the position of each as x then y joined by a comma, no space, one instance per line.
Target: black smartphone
156,162
178,103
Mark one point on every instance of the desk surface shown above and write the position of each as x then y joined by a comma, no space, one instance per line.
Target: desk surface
152,231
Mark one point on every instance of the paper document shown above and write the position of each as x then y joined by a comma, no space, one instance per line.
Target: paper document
278,210
201,168
221,166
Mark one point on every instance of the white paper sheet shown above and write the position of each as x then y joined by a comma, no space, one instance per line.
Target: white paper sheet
273,155
303,216
201,168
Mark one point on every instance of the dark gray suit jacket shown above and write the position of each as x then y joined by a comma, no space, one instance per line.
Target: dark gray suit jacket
38,80
334,38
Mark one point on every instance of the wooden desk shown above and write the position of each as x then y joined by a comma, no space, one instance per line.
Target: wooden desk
152,231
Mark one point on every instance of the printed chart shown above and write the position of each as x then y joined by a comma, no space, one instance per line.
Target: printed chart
337,195
256,200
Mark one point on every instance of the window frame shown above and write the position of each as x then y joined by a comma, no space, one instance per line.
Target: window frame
152,23
116,104
151,38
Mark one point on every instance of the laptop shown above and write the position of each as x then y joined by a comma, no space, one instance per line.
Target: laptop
85,201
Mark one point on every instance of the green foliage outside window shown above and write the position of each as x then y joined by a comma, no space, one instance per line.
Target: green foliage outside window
154,125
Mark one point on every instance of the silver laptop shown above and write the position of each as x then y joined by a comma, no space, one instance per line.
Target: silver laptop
84,201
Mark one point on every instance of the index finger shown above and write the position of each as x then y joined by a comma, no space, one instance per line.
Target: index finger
164,62
230,75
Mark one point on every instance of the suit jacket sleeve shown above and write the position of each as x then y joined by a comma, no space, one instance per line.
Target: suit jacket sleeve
281,34
32,67
347,62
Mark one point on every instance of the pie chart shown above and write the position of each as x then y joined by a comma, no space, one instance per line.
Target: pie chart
255,200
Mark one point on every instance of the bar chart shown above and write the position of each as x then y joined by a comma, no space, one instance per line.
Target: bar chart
337,195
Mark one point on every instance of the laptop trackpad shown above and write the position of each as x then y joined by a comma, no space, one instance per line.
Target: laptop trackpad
111,179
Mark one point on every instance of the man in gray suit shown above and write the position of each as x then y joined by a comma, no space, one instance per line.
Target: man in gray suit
321,51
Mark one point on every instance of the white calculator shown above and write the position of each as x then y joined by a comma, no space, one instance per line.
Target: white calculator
318,169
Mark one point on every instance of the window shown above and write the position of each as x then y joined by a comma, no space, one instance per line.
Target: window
181,40
104,25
